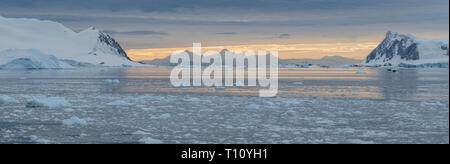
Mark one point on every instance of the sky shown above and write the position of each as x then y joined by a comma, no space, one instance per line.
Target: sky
150,29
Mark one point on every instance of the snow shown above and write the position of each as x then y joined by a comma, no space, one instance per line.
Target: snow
140,132
149,140
4,99
297,83
119,103
75,121
163,116
54,38
359,141
69,110
29,59
430,51
386,110
251,107
40,140
50,102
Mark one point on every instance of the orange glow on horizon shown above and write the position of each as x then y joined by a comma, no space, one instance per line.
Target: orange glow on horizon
286,51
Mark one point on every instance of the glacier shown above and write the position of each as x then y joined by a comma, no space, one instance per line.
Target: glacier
30,59
88,47
400,50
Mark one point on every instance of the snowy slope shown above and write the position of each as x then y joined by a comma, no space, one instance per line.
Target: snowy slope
407,49
29,59
89,46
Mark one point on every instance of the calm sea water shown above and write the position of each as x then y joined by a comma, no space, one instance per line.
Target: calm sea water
316,105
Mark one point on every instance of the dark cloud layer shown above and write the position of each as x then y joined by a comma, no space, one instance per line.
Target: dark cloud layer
148,23
136,32
169,5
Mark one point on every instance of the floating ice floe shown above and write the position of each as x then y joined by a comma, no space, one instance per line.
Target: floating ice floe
68,110
29,59
40,140
140,132
297,83
361,72
112,81
75,121
290,113
50,102
251,107
358,141
149,140
7,99
118,103
163,116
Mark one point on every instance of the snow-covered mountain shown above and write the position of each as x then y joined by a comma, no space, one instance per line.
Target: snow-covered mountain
89,46
397,50
327,60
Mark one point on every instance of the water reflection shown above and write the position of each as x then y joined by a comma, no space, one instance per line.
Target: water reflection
352,83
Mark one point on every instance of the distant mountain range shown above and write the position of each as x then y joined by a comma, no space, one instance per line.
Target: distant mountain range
325,61
31,37
409,51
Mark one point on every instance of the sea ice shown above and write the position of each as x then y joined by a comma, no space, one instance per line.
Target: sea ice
251,107
29,59
297,83
75,121
68,110
163,116
119,103
7,99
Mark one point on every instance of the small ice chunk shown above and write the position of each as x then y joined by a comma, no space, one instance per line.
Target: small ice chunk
50,102
149,140
361,72
140,132
348,130
195,99
40,140
358,141
220,88
68,110
297,83
113,81
163,116
7,100
130,100
251,107
75,121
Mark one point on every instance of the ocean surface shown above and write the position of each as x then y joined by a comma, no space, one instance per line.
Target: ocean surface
139,105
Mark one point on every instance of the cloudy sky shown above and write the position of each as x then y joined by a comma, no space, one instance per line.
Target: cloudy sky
150,29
